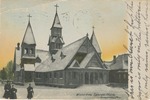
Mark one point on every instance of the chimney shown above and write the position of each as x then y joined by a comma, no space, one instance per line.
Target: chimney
18,46
114,59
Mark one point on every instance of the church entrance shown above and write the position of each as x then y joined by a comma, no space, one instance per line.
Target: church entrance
91,78
28,76
86,78
81,78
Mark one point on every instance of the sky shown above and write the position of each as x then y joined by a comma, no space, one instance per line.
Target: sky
77,19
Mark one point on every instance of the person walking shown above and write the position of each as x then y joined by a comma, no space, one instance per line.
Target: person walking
7,88
13,92
30,92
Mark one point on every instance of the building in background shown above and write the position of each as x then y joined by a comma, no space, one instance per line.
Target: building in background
118,69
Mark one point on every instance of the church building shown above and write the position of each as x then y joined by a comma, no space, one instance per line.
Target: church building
63,66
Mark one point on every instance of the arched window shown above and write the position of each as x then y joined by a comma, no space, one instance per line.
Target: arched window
31,51
25,51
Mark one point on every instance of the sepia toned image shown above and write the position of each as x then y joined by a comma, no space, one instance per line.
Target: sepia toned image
69,49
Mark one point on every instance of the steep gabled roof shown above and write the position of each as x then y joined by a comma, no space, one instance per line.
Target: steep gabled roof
68,61
59,64
95,43
56,22
44,66
92,58
28,36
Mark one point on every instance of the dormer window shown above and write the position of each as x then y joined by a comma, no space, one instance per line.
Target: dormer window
62,55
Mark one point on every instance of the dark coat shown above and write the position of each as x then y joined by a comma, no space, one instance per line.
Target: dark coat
30,92
13,93
7,88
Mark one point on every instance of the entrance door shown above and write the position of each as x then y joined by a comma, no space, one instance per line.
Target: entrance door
28,76
91,78
81,78
86,78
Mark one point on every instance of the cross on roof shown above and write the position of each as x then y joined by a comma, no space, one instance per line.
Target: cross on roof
93,27
56,7
29,16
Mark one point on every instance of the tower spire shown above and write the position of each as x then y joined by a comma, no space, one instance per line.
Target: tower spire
56,7
29,17
56,22
93,29
95,42
56,39
29,36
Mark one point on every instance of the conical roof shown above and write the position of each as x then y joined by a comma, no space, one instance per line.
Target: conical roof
56,22
29,36
95,43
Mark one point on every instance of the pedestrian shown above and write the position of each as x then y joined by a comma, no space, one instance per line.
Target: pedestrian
7,88
30,92
13,92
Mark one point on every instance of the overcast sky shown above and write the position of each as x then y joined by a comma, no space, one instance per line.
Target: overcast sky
77,18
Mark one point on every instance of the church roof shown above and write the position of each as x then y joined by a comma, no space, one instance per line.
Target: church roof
59,64
29,36
68,61
44,66
95,43
56,22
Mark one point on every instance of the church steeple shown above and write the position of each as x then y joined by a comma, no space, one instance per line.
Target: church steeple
94,42
55,40
28,43
29,36
56,22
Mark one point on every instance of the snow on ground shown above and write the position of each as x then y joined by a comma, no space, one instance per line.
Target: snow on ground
100,92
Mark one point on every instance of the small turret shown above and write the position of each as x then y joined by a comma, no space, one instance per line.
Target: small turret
95,43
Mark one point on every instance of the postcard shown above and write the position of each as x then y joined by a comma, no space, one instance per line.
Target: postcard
75,49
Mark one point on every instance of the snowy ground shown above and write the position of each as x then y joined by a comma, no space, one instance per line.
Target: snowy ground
100,92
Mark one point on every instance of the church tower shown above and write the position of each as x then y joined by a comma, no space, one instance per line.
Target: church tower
28,46
95,43
55,40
